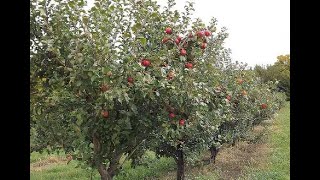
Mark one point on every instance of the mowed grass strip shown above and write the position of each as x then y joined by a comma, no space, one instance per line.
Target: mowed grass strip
278,165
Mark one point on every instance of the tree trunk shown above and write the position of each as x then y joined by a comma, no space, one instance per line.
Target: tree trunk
214,151
104,173
180,163
101,168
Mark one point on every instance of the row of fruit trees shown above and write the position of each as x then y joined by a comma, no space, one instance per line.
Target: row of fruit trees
125,76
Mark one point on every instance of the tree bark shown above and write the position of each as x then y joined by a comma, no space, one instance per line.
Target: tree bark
214,151
103,172
101,168
180,163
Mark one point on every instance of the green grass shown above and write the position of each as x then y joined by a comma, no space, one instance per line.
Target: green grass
153,168
63,171
278,168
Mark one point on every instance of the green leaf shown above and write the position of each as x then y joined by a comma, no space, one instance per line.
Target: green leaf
79,119
143,41
93,78
111,8
114,137
105,69
182,58
134,108
42,12
78,83
126,97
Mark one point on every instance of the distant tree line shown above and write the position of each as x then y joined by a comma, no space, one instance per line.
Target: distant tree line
279,71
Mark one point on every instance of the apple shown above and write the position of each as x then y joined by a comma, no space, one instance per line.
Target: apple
168,30
244,93
229,97
200,34
104,88
170,75
109,73
105,113
263,106
183,52
182,122
188,65
207,33
172,115
177,41
190,35
240,81
130,79
203,45
145,62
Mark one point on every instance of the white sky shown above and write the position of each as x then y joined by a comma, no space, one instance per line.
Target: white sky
259,30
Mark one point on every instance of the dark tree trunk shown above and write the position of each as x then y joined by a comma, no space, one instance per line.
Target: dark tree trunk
104,173
214,151
180,163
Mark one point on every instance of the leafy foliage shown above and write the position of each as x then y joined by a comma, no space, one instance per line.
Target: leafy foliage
104,81
279,71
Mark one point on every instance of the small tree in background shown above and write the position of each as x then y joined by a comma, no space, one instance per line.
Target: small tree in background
279,71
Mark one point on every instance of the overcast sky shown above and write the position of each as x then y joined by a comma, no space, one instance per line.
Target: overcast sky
259,30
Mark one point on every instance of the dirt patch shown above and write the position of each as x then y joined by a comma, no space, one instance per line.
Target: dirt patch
47,163
231,161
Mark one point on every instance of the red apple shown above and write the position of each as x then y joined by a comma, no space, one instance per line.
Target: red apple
207,33
229,97
190,35
130,79
170,75
177,41
263,106
188,65
105,113
168,30
200,34
104,88
145,62
181,122
203,45
172,115
183,52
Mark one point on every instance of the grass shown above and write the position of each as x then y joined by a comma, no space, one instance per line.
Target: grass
57,169
278,167
266,156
